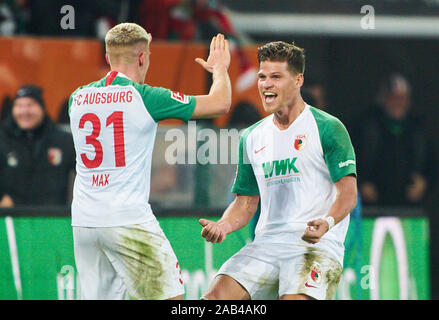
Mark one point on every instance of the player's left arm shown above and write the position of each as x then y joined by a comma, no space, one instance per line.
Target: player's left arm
344,203
340,158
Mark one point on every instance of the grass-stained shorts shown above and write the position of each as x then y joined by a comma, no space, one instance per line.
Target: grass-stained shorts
270,270
135,262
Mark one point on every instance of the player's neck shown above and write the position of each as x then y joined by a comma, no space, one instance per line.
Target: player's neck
286,116
130,71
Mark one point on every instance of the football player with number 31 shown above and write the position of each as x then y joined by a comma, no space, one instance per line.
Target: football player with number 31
120,250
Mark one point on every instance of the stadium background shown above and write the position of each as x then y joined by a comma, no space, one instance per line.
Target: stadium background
390,251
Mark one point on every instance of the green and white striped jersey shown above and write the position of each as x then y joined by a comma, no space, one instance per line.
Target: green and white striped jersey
294,171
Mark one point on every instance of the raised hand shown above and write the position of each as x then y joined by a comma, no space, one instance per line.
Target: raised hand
219,54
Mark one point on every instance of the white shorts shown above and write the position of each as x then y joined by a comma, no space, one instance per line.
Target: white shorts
135,262
270,270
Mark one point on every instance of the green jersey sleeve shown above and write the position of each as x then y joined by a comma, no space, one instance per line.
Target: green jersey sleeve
337,146
245,180
164,104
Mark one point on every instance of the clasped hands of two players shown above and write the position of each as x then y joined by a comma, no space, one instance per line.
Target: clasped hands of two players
216,232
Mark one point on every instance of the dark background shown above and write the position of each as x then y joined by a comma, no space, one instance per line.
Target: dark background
387,7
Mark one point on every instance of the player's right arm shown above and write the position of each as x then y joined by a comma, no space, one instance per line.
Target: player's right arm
237,215
242,209
219,99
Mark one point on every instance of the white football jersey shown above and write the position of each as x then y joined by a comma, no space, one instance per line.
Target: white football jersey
294,171
114,124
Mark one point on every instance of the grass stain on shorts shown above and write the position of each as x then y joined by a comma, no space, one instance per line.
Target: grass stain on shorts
144,262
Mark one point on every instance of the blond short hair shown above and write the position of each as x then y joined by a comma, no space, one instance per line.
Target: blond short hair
123,38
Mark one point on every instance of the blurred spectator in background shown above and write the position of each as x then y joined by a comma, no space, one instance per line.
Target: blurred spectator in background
196,20
36,158
308,97
12,17
243,115
392,146
156,16
317,91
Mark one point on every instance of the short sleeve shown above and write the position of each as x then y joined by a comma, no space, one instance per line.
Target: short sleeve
338,150
164,104
245,180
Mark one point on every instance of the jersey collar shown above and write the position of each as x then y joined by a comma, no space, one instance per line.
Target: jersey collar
119,74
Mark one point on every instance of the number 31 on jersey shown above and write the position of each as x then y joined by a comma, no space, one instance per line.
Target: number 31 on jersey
115,119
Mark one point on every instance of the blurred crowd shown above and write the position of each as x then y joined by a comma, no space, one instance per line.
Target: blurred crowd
170,20
37,158
167,19
396,161
396,164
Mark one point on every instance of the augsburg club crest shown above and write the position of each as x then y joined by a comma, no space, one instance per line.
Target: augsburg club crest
54,156
316,274
300,141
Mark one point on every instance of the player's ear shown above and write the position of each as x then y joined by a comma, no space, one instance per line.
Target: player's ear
107,58
141,59
299,80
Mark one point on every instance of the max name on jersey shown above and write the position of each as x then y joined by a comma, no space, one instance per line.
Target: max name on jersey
104,97
100,180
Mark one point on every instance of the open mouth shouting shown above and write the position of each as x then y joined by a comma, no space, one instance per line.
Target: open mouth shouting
269,97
